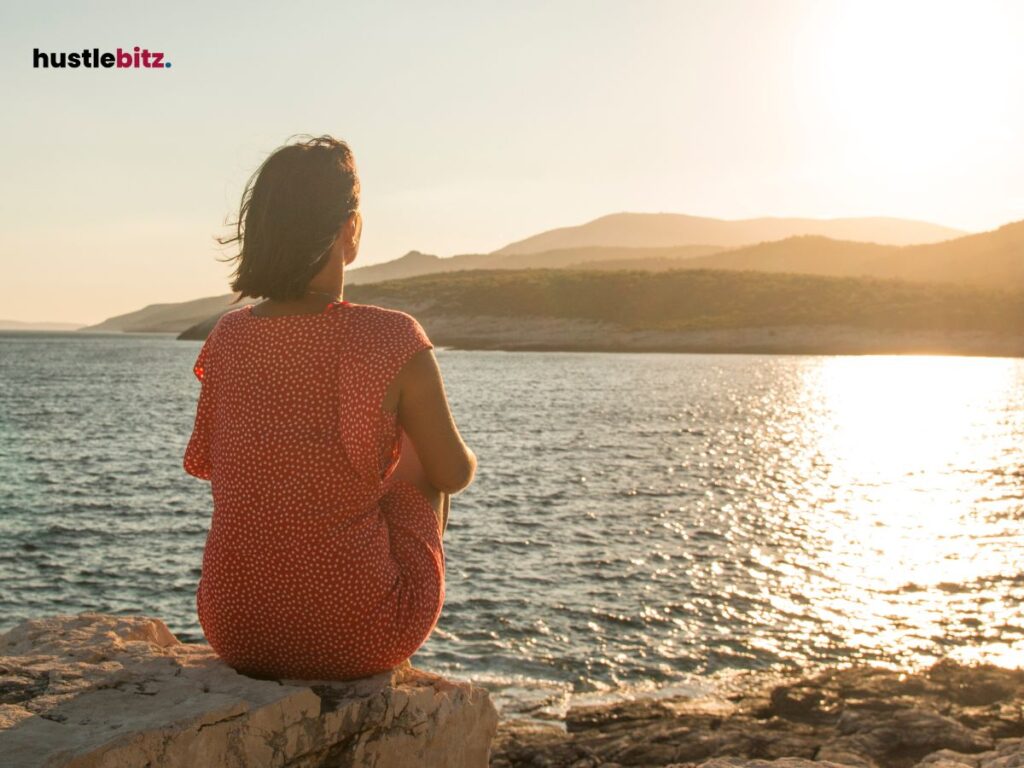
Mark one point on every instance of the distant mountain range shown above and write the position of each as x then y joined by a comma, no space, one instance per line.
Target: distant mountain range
990,258
415,263
642,241
622,236
653,230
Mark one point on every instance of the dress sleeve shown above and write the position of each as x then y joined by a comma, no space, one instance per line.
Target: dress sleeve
380,345
197,454
410,340
404,339
199,367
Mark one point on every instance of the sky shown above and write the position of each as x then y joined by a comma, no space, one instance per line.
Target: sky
475,124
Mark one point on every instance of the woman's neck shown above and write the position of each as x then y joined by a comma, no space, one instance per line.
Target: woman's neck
313,301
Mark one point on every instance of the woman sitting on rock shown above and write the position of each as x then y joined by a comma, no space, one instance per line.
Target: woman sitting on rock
324,429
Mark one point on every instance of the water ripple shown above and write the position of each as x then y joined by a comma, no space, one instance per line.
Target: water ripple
636,519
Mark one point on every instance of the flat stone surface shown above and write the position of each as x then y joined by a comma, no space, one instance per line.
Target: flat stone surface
123,692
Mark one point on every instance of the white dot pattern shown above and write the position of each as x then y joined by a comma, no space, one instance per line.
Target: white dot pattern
317,565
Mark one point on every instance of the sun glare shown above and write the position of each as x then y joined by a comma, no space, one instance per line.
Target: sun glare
909,84
894,415
906,433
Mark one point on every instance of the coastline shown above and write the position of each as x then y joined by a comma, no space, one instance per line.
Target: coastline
559,334
538,334
947,715
548,702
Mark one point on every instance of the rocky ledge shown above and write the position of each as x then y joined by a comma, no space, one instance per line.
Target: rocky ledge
948,716
122,692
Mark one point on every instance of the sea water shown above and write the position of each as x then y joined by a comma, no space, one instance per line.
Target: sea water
638,521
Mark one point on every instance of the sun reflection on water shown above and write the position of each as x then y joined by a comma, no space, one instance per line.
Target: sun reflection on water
897,517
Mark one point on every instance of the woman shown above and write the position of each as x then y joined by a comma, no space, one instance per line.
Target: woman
324,429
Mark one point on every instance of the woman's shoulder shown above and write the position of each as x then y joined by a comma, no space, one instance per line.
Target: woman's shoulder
389,331
226,322
385,318
234,315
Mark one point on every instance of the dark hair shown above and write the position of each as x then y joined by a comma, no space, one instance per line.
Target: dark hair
291,211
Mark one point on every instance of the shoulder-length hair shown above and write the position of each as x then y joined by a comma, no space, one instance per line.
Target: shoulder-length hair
292,209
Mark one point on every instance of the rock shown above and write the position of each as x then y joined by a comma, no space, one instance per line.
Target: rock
1009,753
950,716
973,686
796,702
947,758
836,754
784,762
906,732
122,692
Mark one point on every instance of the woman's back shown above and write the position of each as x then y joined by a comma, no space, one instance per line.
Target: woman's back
318,564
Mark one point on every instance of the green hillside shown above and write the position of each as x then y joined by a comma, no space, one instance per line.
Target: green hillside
684,299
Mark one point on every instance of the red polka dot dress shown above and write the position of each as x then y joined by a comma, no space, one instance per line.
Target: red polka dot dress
317,564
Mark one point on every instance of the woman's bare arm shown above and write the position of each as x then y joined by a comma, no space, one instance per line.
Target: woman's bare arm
426,418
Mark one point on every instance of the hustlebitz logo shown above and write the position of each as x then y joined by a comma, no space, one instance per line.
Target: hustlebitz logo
93,58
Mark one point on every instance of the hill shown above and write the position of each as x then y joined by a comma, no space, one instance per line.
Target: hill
994,259
989,258
808,255
686,299
609,242
175,317
167,318
415,263
698,310
651,230
411,264
622,236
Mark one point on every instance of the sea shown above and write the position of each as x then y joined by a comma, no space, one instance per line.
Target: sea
639,524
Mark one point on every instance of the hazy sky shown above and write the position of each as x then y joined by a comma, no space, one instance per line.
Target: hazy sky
478,123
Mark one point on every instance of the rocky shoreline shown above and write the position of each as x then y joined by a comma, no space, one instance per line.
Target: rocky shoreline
124,692
947,716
